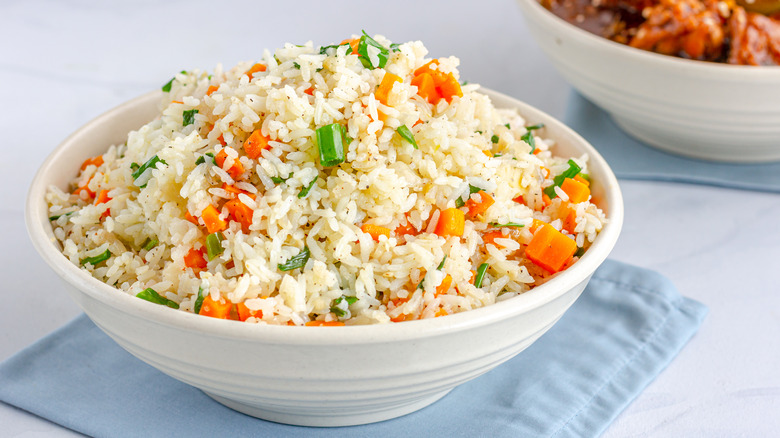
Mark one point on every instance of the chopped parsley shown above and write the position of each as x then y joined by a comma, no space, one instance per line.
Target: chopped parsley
296,261
571,172
305,191
151,295
202,159
188,117
407,135
96,260
365,59
480,275
459,202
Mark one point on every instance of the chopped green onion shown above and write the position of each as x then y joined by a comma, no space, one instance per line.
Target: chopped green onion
134,166
497,155
464,83
441,265
296,261
571,172
305,191
480,275
507,126
508,224
149,243
494,139
296,65
142,175
580,252
528,137
395,47
279,180
94,261
407,135
381,56
57,216
150,294
214,245
188,117
198,301
202,159
536,126
330,141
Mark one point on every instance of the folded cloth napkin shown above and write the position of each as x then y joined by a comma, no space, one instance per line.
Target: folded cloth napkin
631,159
626,327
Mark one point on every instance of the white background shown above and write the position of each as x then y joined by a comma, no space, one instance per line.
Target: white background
65,62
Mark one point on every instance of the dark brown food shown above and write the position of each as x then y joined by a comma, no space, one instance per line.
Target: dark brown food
706,30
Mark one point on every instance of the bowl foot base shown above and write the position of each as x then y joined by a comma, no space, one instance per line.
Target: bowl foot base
335,418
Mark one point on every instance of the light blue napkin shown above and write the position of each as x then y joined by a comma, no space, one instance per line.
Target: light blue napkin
632,159
623,331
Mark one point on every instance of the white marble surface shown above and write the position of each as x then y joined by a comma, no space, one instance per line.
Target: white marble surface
65,62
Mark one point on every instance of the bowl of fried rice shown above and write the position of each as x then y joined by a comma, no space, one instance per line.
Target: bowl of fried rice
698,78
326,236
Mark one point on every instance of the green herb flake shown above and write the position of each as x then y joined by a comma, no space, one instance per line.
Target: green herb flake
337,308
188,117
279,180
407,135
96,260
167,87
580,252
202,159
381,56
151,295
214,245
507,126
571,172
494,139
296,261
296,65
459,202
395,47
305,191
57,216
324,49
480,275
441,265
134,166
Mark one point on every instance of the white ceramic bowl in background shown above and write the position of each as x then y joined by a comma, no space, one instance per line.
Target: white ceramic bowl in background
316,376
693,108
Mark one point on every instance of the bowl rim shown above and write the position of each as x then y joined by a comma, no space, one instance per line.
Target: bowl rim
722,70
41,234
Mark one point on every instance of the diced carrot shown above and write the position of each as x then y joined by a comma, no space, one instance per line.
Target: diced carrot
236,170
375,231
427,68
240,213
95,161
417,122
235,191
473,276
102,198
211,218
221,140
408,229
85,188
569,217
578,177
519,199
216,309
440,312
426,88
324,323
245,312
577,191
191,218
550,249
535,224
255,144
194,259
444,286
452,222
309,91
211,89
491,236
386,86
178,102
449,88
546,199
353,43
255,68
478,207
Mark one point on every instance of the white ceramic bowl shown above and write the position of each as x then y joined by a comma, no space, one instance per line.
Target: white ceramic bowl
317,376
693,108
